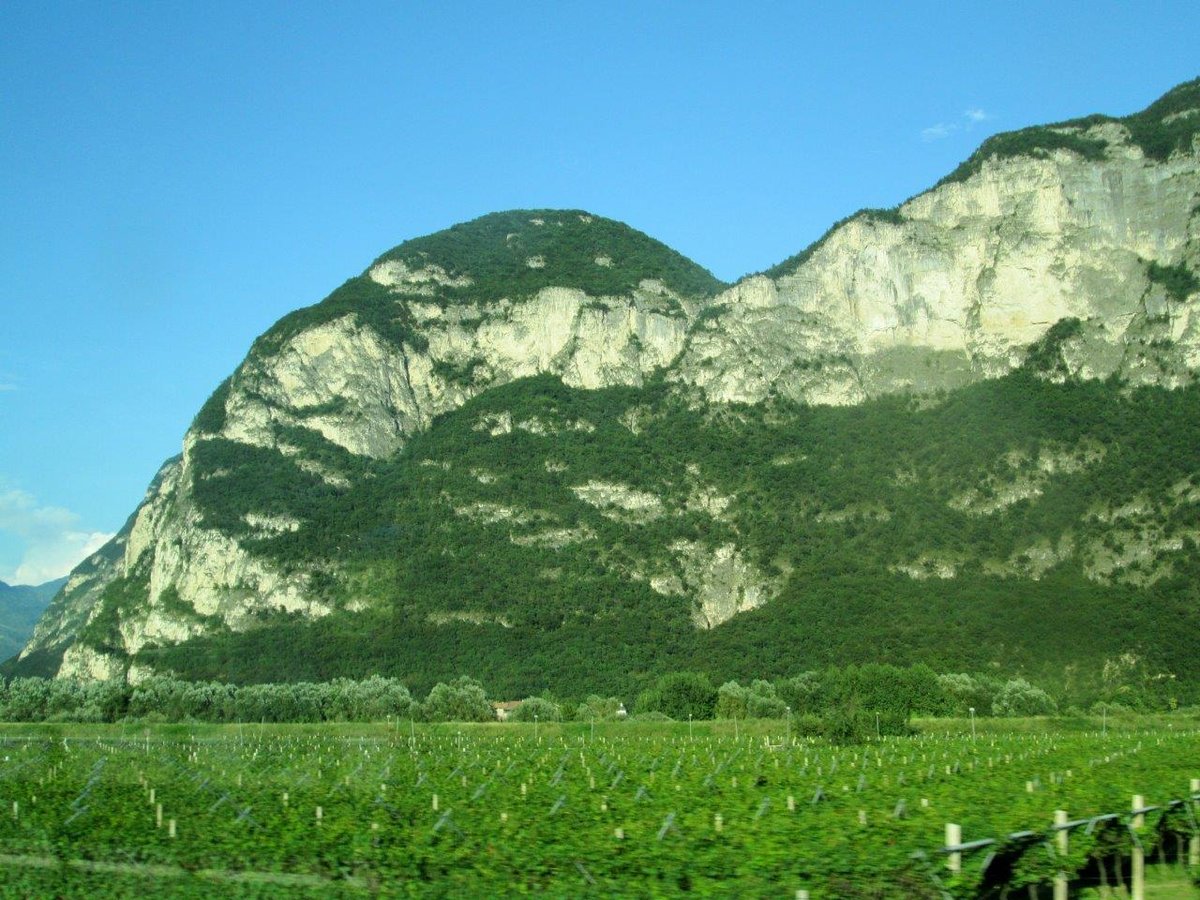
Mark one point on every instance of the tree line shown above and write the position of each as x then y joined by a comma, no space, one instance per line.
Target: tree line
838,702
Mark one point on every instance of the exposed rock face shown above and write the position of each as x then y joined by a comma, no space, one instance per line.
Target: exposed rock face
79,600
955,286
1023,478
720,581
185,578
620,502
212,575
971,275
367,395
340,380
86,664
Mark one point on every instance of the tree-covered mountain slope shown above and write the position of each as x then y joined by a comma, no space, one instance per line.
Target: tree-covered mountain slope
574,540
546,450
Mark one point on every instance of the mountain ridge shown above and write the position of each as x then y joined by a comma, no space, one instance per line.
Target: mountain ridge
1065,262
21,605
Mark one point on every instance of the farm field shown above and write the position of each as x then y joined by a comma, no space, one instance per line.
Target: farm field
633,809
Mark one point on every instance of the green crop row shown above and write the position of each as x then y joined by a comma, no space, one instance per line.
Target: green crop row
651,813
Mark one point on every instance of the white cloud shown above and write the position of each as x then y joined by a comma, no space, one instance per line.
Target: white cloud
52,540
970,118
938,131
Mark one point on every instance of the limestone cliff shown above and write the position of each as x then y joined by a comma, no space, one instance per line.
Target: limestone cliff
958,282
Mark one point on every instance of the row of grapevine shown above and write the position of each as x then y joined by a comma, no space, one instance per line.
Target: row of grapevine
431,812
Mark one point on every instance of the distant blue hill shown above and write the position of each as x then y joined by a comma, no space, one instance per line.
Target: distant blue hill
20,607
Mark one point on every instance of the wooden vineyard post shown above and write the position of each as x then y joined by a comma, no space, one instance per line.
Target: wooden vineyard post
1194,843
1061,843
953,839
1137,873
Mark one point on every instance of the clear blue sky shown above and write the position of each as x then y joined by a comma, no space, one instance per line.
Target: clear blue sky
176,176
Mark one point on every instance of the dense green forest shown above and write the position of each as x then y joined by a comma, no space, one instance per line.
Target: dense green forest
494,251
473,553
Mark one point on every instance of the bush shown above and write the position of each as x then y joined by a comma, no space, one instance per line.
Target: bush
545,711
857,726
731,701
598,708
807,725
82,714
758,701
680,695
844,726
462,700
1020,698
961,693
802,693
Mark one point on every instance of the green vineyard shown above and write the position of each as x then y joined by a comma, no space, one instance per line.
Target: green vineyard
618,809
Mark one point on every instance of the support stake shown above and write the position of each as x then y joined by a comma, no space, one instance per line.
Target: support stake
1137,877
1062,843
953,839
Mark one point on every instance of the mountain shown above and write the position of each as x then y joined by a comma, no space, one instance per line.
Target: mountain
21,606
545,449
